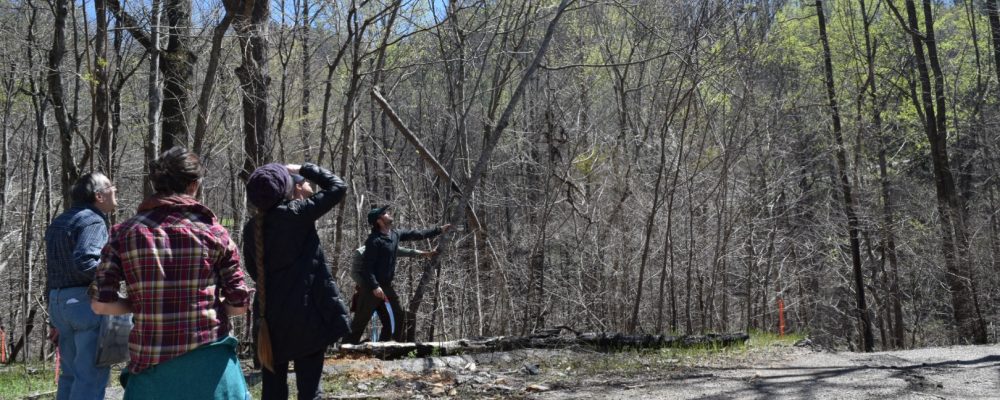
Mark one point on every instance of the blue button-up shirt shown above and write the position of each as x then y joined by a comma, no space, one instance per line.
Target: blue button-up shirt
73,243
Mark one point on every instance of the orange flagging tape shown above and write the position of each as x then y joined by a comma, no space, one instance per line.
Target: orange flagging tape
781,317
57,365
3,346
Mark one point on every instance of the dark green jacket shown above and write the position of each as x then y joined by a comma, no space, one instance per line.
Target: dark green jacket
380,254
358,261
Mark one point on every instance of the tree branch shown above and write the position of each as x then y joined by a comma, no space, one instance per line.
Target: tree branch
130,24
422,150
624,64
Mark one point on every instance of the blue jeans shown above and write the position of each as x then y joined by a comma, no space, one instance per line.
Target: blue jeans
80,378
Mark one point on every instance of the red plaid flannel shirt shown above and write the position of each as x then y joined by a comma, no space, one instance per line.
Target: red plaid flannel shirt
176,261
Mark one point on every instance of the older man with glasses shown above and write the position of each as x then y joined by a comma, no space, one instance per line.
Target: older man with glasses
74,241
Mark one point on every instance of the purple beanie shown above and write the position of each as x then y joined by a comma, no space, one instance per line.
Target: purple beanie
268,185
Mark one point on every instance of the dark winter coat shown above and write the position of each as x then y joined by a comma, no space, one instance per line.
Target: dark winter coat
305,312
380,254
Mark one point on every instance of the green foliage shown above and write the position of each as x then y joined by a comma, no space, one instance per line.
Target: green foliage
586,162
794,49
636,361
766,339
335,383
20,380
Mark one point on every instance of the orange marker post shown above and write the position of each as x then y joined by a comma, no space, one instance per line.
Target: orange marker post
3,346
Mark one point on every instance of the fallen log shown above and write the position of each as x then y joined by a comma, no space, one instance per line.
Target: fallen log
546,339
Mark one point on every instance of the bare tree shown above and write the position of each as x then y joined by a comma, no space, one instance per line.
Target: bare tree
954,240
845,187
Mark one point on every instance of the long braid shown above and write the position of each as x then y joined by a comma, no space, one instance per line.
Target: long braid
259,247
264,351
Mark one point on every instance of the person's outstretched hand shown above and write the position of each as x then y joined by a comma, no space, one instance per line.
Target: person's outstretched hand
293,168
428,254
379,294
445,228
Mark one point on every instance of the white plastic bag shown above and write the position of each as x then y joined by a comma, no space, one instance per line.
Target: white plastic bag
112,344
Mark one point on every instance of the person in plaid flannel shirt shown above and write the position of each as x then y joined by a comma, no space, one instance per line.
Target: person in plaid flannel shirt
183,281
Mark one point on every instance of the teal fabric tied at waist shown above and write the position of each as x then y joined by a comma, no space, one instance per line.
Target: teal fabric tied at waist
211,371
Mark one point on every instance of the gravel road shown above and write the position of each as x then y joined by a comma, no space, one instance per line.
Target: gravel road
959,372
779,372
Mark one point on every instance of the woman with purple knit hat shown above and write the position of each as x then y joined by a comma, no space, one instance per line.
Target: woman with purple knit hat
298,309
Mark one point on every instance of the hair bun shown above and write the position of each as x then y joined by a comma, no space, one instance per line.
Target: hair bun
175,170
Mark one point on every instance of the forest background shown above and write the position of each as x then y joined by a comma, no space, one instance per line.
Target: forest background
612,165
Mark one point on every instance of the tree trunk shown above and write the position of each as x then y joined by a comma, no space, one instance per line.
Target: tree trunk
543,339
489,145
845,185
324,116
169,100
970,325
151,146
8,82
177,64
305,125
331,67
993,11
208,87
22,342
888,245
67,128
102,109
29,230
251,19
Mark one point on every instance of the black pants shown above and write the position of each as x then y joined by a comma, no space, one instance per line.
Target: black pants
368,303
308,371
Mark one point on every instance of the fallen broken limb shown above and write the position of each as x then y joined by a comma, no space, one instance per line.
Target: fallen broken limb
543,340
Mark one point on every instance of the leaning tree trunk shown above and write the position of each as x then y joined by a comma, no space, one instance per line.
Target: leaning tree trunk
489,145
204,108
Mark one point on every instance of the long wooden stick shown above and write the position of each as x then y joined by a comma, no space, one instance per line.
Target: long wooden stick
424,153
